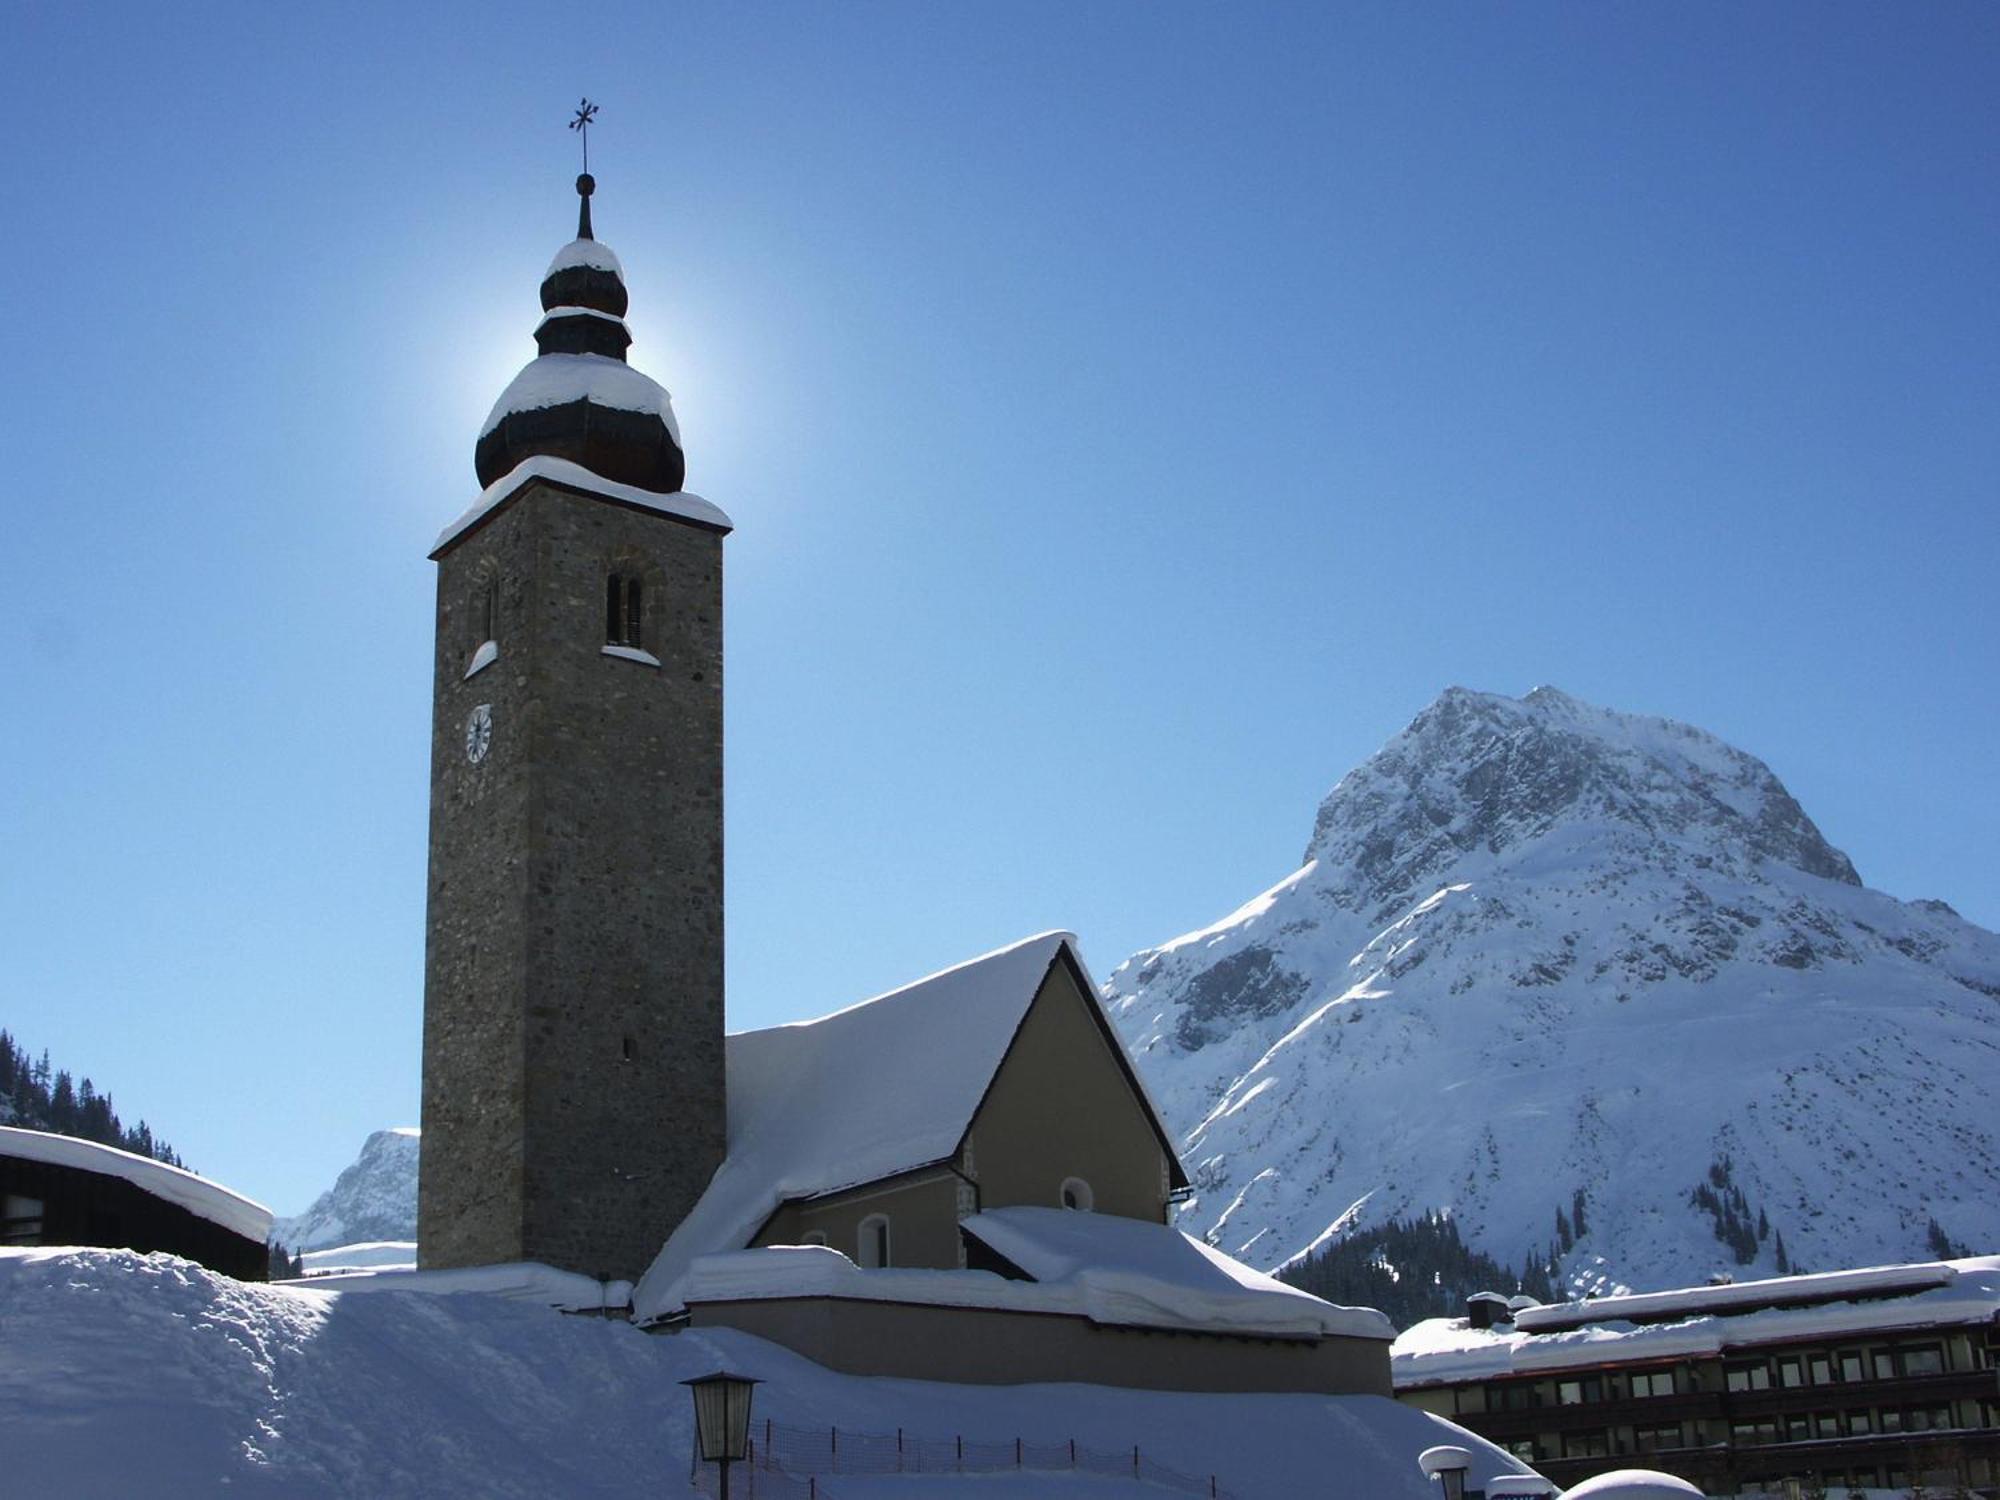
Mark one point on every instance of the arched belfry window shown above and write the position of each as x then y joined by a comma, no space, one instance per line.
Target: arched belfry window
1076,1194
872,1242
624,609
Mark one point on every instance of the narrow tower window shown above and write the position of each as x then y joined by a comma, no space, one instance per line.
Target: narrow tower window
489,611
1076,1194
623,610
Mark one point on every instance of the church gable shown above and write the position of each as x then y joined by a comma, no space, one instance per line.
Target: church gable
1065,1123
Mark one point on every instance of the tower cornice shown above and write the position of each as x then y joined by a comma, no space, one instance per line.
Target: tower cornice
575,479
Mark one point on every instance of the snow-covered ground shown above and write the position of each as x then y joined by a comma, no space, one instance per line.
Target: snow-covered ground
1537,948
124,1374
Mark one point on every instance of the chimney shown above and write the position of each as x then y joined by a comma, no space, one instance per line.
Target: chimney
1487,1309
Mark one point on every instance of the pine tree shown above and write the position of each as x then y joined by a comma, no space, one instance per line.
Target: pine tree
1576,1215
1563,1236
62,1106
1784,1262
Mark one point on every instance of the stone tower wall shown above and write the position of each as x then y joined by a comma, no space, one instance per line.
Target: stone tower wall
573,1064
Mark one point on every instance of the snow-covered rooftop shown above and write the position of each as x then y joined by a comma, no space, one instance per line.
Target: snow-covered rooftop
1111,1297
881,1087
585,253
1701,1321
199,1196
1130,1271
558,379
519,1281
576,477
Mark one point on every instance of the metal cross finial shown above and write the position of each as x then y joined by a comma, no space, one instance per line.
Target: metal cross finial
585,113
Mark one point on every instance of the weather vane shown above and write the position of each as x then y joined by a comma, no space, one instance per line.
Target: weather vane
585,113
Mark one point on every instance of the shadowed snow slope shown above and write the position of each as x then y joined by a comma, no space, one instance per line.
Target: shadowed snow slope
147,1375
1537,947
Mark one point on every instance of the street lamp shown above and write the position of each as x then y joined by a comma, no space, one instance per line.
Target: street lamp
722,1419
1447,1465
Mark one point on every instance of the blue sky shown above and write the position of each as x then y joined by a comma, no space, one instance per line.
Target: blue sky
1132,416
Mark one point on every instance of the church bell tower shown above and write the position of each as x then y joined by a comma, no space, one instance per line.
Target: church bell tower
573,1104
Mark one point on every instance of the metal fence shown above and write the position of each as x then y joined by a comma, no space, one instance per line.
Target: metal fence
787,1462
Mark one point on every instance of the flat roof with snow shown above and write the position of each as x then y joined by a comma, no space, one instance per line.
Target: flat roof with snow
1700,1321
200,1197
1115,1272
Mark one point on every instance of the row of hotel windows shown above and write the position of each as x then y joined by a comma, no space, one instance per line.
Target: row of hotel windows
1848,1366
1786,1372
1662,1437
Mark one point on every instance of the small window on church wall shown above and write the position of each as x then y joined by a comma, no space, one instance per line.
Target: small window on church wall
872,1251
624,606
1076,1194
813,1237
626,1049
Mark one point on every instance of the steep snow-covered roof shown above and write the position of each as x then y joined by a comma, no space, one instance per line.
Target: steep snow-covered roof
199,1196
558,379
882,1087
576,477
1130,1271
1703,1320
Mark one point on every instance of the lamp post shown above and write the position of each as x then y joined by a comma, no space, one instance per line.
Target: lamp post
722,1419
1447,1464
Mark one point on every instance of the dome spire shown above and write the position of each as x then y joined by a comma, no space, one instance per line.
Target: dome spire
585,183
579,399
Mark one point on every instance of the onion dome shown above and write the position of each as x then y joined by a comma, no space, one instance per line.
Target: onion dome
579,400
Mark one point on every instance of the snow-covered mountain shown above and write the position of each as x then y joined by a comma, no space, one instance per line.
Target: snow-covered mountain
374,1199
1538,948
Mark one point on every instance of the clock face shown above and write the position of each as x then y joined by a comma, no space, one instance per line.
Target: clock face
479,733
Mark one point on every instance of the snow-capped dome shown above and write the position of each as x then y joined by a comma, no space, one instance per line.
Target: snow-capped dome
585,253
579,400
1632,1484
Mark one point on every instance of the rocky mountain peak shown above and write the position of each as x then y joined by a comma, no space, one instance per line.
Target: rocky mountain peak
1542,952
374,1198
1480,773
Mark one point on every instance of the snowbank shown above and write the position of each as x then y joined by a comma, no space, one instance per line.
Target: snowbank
199,1196
367,1255
575,476
147,1375
522,1281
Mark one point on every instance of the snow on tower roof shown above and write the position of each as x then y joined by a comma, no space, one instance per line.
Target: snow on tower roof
574,476
1701,1321
882,1087
558,379
205,1199
590,253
